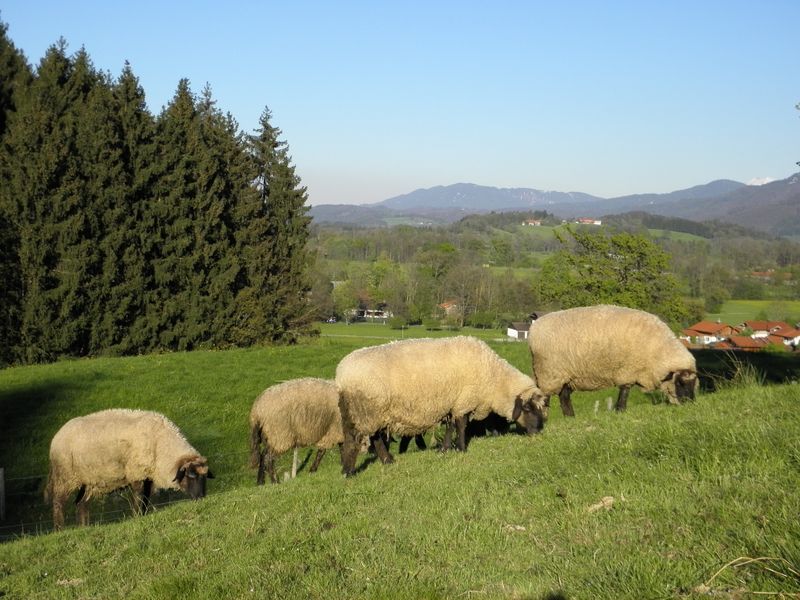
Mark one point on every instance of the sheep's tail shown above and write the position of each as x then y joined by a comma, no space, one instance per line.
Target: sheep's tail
255,443
48,487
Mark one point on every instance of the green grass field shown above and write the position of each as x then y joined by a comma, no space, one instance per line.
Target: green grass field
693,489
737,311
381,333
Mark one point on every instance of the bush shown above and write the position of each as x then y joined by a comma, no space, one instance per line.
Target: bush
482,320
398,323
431,324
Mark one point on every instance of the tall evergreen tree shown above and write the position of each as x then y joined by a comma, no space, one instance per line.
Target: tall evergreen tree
222,183
15,78
276,256
171,253
201,178
40,153
124,327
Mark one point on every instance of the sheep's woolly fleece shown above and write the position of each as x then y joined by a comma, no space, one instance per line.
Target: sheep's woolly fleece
113,448
409,386
602,346
299,413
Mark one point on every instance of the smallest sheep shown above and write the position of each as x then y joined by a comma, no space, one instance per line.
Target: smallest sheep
294,414
117,448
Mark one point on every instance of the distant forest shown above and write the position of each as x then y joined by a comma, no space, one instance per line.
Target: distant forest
498,270
124,232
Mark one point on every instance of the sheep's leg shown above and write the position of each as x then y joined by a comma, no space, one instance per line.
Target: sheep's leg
622,399
381,450
349,450
147,489
273,476
58,511
448,434
461,426
139,497
419,440
320,453
261,466
82,504
255,444
566,401
351,444
404,442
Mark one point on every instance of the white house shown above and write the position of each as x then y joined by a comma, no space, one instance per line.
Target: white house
518,330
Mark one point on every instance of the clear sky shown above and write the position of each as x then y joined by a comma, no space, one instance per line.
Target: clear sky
379,98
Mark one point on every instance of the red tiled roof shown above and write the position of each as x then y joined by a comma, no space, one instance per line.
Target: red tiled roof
765,325
787,333
746,342
707,327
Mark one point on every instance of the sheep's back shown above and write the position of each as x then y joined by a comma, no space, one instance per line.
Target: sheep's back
409,386
297,413
105,450
603,346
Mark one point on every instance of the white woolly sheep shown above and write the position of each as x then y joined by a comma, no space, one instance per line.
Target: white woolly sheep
293,414
405,388
116,448
596,347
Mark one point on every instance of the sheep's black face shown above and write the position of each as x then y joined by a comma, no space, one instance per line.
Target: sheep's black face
531,414
191,477
685,384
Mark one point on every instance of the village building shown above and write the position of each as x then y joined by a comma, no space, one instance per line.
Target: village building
705,333
518,330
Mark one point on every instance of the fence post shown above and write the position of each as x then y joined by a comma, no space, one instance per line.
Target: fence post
2,494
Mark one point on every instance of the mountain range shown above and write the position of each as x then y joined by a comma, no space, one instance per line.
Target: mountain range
773,208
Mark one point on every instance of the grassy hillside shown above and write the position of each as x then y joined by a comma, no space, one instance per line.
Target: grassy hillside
737,311
694,488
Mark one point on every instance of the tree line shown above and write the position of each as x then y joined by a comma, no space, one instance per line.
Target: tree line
497,270
124,232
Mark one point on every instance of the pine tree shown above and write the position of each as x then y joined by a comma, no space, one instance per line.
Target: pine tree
73,302
198,270
172,210
274,306
124,328
39,151
15,78
222,182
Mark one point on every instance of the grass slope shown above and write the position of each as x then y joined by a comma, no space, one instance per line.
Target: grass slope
735,312
694,487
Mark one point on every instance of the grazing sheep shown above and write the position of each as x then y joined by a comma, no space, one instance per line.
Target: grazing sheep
405,388
293,414
116,448
596,347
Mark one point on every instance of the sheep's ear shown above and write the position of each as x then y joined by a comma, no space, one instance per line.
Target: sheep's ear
180,475
210,475
669,376
517,409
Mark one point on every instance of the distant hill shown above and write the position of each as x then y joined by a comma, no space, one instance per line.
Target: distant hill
481,198
773,208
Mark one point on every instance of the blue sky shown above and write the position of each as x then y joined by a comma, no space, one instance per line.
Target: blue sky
377,99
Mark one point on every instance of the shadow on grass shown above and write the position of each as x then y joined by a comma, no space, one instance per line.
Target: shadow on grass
30,414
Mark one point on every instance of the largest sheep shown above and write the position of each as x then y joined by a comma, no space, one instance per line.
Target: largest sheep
596,347
112,449
293,414
405,388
